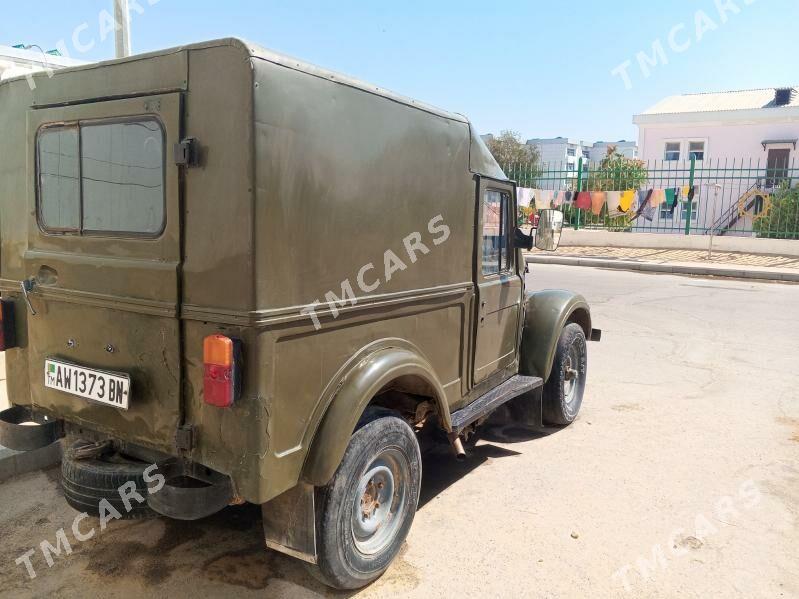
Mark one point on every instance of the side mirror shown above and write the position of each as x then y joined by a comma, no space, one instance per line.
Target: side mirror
550,226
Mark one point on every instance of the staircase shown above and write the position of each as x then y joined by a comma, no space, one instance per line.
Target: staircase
732,215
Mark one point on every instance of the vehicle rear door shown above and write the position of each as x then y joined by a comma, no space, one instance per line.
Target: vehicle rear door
103,261
499,287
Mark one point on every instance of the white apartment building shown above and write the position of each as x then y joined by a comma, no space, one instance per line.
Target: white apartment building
628,149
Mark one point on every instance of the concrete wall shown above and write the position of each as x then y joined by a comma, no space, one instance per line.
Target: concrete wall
748,245
723,141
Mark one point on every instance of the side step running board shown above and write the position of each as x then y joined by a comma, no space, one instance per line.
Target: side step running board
514,387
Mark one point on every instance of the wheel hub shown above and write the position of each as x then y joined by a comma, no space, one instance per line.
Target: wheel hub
380,498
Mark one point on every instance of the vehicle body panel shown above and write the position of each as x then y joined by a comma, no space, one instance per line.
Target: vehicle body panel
546,313
305,179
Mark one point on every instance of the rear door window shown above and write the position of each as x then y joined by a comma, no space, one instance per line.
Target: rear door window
59,179
103,178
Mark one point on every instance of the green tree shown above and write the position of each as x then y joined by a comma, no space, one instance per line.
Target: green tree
519,161
617,172
781,219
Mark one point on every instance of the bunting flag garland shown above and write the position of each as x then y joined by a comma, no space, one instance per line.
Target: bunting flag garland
543,199
671,196
657,198
649,205
626,201
613,201
524,196
583,200
559,199
597,201
568,198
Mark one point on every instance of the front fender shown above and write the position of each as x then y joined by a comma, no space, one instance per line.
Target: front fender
354,392
546,313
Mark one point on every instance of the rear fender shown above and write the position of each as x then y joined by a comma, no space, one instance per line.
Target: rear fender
546,313
352,395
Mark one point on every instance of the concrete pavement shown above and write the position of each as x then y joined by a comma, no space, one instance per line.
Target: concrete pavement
679,478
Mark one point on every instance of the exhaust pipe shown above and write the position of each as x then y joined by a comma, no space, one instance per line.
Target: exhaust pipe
457,446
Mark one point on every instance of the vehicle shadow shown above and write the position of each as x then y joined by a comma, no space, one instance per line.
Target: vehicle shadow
227,550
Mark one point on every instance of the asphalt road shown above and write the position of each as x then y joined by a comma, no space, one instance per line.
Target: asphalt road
680,478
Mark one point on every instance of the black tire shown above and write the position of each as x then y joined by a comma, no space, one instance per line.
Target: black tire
563,391
345,561
88,481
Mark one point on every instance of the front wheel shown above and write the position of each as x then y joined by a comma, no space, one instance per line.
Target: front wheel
563,392
368,507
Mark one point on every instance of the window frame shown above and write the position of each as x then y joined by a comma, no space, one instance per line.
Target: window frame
666,150
694,210
505,220
696,141
80,231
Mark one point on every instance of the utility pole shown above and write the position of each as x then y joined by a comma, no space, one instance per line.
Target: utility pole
122,19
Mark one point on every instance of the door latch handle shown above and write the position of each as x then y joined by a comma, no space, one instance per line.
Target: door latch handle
26,286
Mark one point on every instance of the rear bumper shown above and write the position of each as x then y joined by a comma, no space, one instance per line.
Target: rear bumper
17,435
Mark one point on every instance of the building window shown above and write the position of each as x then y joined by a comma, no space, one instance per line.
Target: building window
665,212
672,151
571,152
586,154
495,232
570,166
102,177
696,149
694,210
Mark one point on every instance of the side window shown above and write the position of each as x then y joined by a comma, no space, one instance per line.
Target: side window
102,177
495,232
59,179
123,177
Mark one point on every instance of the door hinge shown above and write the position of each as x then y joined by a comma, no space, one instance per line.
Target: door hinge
187,152
184,438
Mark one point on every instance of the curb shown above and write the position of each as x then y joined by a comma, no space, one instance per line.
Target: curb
14,463
677,269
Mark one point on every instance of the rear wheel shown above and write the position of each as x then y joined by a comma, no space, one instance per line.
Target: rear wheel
368,507
563,392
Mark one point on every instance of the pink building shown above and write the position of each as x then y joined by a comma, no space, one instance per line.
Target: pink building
744,144
757,125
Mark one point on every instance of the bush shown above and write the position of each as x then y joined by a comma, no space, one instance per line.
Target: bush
781,221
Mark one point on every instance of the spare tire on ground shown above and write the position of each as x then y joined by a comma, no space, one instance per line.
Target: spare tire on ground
89,480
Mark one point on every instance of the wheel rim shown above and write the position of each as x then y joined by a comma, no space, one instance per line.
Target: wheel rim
571,374
380,500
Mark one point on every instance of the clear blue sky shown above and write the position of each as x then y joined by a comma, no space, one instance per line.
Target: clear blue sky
540,68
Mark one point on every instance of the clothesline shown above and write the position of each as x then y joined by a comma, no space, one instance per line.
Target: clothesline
631,202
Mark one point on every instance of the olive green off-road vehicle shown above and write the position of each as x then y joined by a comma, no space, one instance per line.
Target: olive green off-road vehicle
231,276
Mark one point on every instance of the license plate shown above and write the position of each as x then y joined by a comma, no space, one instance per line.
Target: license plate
110,388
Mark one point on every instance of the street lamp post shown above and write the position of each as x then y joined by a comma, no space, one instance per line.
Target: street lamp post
122,19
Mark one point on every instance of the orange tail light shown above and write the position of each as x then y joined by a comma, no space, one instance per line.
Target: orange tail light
222,365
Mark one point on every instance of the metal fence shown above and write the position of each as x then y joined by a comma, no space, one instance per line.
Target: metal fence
730,197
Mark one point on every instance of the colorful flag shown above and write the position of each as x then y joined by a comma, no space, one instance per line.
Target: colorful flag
597,201
626,201
583,200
